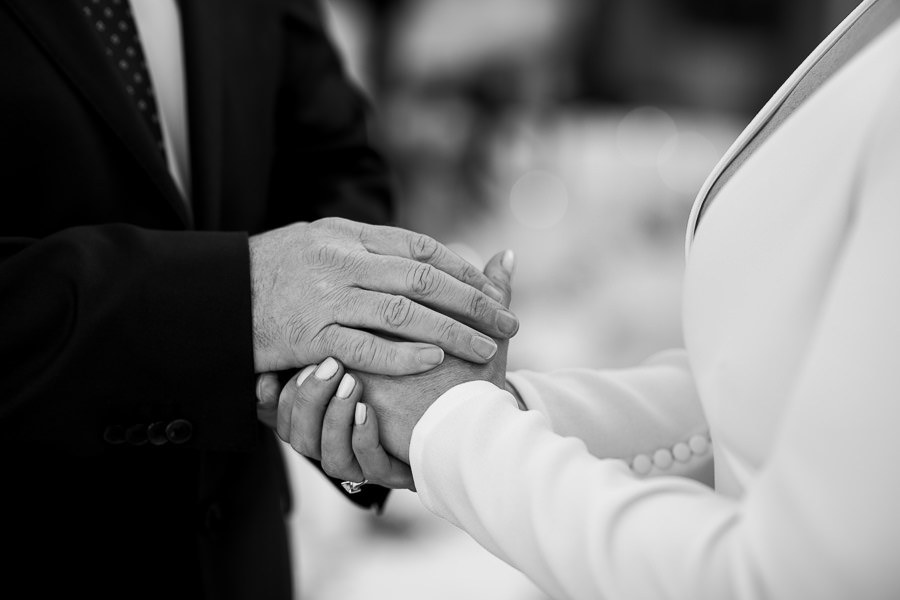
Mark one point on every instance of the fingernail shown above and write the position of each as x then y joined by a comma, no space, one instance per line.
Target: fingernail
493,291
484,347
508,261
507,322
306,372
346,386
431,355
327,369
360,417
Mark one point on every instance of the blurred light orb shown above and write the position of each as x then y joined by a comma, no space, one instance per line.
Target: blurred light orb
539,199
686,160
643,133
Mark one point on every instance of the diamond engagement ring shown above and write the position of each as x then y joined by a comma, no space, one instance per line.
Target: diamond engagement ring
353,487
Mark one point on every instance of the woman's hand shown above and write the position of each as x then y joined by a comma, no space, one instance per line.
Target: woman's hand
319,413
401,401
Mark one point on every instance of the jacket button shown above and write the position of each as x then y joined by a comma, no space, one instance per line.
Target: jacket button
114,434
179,431
641,464
136,435
157,433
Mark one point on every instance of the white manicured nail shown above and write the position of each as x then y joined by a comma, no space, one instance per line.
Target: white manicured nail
306,372
327,369
346,387
360,417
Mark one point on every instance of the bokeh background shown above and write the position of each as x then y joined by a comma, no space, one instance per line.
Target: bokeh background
577,133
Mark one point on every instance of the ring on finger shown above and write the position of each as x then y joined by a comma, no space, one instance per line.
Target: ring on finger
353,487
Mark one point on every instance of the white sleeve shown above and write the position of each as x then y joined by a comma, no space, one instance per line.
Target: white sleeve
649,416
819,521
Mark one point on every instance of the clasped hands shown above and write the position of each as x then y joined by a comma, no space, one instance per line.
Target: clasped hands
375,323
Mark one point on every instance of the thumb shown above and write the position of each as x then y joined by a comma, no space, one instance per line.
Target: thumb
499,270
267,389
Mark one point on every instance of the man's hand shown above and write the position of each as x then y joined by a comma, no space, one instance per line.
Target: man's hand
312,414
399,403
379,299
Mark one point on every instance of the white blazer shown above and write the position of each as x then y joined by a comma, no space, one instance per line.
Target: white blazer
792,362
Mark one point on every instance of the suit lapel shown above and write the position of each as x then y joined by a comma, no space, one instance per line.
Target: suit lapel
202,35
80,55
868,20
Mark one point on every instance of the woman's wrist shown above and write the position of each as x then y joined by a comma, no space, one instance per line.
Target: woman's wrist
515,394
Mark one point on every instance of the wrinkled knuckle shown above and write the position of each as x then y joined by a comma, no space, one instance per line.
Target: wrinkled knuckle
447,330
342,303
298,330
422,280
397,312
337,259
326,255
424,248
478,306
353,262
363,351
325,341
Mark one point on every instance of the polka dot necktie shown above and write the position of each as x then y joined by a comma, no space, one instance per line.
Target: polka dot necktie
113,22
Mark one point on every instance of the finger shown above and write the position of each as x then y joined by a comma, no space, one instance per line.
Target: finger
401,317
479,308
311,400
500,269
364,351
378,466
267,389
394,241
286,400
267,392
338,459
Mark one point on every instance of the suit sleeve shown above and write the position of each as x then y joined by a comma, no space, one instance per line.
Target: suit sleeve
108,325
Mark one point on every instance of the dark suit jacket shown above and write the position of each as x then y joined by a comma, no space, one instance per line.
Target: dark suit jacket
131,460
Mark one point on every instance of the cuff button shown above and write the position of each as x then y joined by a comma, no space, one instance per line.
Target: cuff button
179,431
642,464
681,452
699,444
157,433
136,435
662,459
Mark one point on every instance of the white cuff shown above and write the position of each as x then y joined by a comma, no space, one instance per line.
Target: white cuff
443,405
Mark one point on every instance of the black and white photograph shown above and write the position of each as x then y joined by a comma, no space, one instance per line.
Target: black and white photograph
442,299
